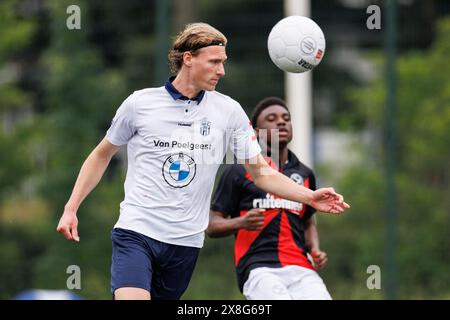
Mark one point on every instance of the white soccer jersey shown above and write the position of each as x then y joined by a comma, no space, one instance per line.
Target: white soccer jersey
175,146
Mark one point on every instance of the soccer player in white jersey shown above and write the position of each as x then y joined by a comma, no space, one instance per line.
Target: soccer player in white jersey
176,137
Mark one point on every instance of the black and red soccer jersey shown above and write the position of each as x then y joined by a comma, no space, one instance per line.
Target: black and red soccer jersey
281,241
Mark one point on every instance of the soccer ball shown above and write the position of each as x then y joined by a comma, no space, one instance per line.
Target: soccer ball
296,44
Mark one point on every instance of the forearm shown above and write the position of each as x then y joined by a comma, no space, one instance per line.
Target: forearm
278,184
222,227
311,235
90,174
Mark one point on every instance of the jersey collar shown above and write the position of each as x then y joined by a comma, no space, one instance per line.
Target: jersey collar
178,95
292,161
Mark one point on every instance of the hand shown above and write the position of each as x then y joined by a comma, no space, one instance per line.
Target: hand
320,259
327,200
68,226
253,219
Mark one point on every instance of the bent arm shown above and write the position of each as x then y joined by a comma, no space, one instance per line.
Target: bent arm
221,226
90,174
276,183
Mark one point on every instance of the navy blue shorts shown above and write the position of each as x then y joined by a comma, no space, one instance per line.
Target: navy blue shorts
141,262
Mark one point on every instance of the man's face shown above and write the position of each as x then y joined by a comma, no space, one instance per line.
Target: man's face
207,67
276,117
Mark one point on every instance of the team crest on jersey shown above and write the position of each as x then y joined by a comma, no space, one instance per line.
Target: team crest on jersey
205,127
297,178
179,170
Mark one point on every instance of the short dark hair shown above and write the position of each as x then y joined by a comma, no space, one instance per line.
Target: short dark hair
265,103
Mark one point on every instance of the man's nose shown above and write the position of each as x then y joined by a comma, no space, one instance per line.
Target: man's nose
281,122
221,70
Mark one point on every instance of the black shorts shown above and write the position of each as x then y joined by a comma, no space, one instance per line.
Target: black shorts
141,262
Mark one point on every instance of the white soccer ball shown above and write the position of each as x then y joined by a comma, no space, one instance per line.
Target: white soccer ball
296,44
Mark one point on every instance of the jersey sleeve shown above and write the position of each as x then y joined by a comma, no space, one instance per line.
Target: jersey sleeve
123,124
243,140
312,185
226,198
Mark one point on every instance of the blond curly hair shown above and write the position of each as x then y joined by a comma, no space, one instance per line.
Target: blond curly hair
194,36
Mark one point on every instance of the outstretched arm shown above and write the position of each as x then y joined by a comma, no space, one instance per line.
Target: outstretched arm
271,181
89,176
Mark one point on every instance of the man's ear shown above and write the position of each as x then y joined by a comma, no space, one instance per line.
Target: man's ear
187,58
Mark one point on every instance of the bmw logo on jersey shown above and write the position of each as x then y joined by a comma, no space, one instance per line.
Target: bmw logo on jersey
179,170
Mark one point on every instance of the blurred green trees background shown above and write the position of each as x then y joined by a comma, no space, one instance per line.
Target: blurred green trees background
423,183
59,90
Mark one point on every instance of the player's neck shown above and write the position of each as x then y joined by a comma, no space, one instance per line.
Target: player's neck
281,157
183,84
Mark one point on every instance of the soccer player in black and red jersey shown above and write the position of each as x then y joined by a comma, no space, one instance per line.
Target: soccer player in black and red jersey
273,236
